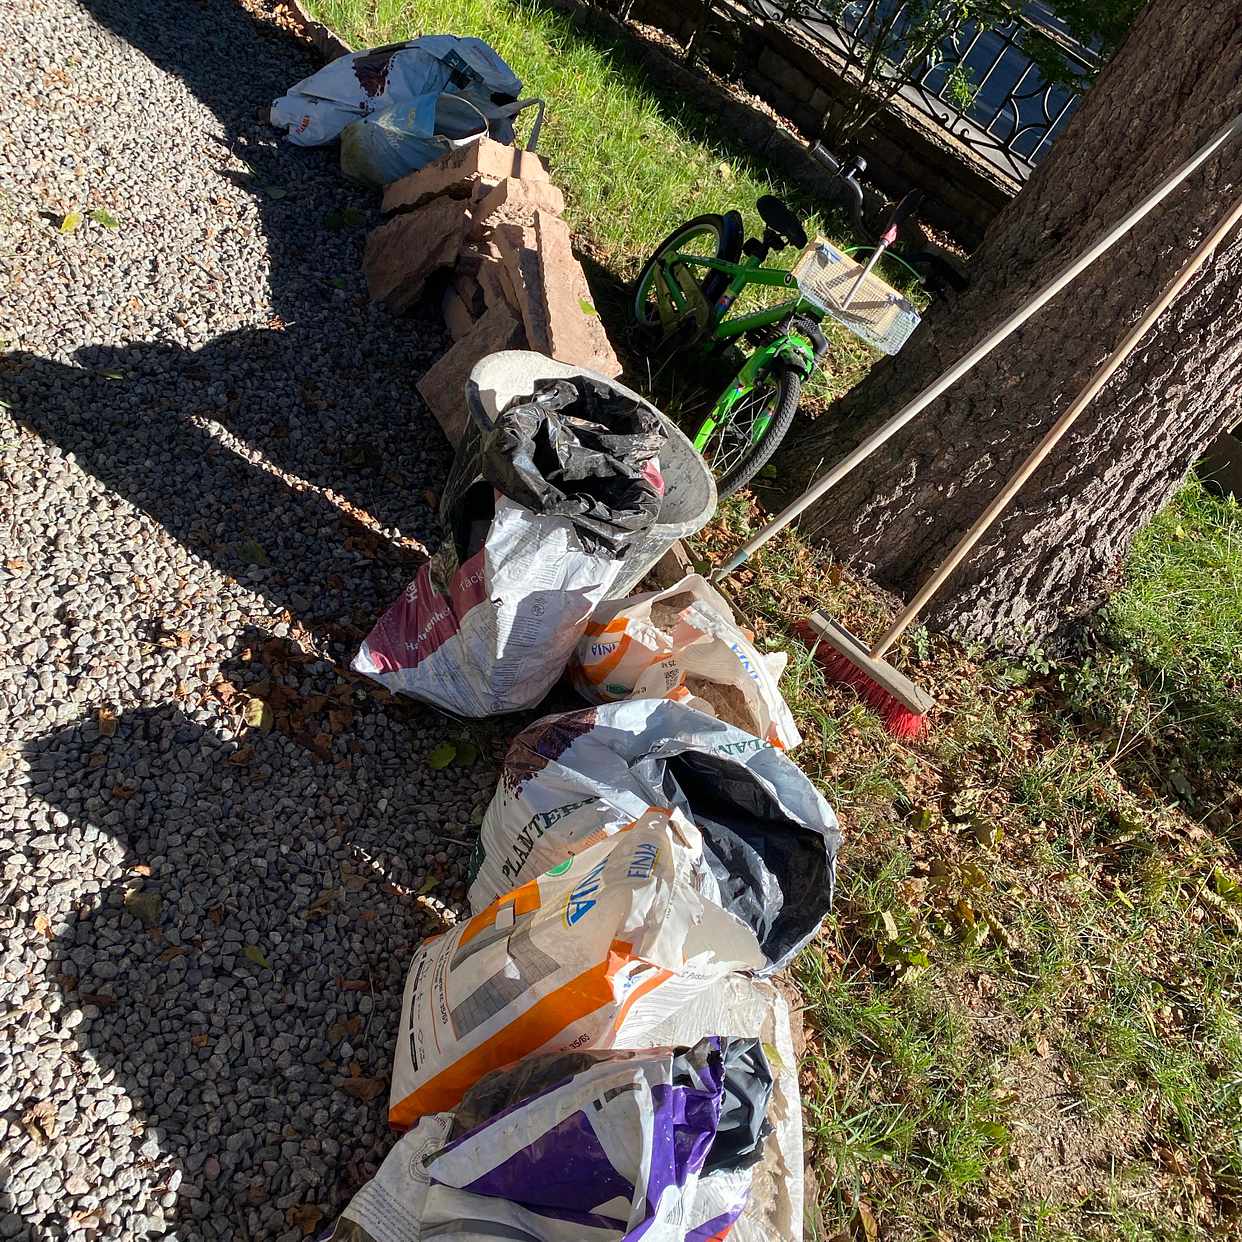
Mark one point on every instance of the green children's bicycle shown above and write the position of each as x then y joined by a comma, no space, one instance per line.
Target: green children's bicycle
689,286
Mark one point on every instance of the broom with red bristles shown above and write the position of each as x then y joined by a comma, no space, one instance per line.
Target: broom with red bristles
844,658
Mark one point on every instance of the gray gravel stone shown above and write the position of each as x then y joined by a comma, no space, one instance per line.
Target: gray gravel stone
210,440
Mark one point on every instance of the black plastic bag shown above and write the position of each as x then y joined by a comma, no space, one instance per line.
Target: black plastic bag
579,449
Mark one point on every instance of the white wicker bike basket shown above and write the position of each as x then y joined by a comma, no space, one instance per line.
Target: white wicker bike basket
877,313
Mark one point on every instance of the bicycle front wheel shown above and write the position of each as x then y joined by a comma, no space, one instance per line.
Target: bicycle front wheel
739,437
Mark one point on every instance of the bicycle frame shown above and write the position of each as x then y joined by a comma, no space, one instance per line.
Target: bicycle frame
683,301
675,301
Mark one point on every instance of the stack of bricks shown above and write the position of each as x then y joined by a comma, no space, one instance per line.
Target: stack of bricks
489,217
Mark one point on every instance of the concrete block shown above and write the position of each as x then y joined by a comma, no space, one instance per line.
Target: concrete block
467,172
402,254
443,388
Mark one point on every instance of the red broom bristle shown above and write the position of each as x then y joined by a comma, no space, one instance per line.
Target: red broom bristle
898,719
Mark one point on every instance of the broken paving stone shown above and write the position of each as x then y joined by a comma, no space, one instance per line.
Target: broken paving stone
402,254
469,171
443,388
457,316
514,201
525,279
575,333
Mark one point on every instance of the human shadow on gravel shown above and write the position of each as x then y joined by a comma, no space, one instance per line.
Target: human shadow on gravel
243,978
136,421
317,393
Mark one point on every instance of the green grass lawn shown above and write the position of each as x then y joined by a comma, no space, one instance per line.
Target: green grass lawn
1023,1016
633,163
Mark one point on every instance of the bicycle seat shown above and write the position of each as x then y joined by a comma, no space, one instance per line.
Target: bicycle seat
781,219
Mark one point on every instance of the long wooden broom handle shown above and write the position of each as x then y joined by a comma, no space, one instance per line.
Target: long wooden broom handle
1056,431
945,380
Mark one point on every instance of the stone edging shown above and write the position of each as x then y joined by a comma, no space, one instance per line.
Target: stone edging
325,41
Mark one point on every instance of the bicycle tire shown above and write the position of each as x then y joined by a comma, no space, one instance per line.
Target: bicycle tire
789,388
728,230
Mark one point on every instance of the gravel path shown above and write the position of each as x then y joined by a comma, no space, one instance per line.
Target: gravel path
215,474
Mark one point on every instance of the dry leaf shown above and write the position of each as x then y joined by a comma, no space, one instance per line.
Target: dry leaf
258,715
124,792
141,869
866,1228
43,925
254,954
362,1088
105,717
39,1121
241,757
201,1040
176,950
306,1218
15,565
144,906
99,999
353,985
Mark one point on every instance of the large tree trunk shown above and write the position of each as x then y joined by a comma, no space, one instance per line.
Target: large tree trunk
1054,555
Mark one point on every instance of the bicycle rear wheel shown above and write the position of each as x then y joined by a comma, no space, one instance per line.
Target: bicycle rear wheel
712,236
738,443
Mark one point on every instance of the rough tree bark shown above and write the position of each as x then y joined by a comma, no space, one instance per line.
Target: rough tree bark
1053,557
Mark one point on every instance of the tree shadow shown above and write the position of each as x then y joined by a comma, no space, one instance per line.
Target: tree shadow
194,984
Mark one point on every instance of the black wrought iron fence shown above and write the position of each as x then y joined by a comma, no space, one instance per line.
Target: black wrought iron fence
982,84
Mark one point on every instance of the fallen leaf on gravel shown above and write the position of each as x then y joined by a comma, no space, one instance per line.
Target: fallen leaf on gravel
141,868
105,717
215,914
144,906
353,985
43,925
100,999
201,1040
15,565
124,792
252,550
253,953
70,221
101,215
176,950
321,903
352,881
241,757
306,1218
39,1121
97,759
362,1088
442,756
258,715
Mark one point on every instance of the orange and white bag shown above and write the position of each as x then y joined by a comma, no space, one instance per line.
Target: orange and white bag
593,953
683,643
